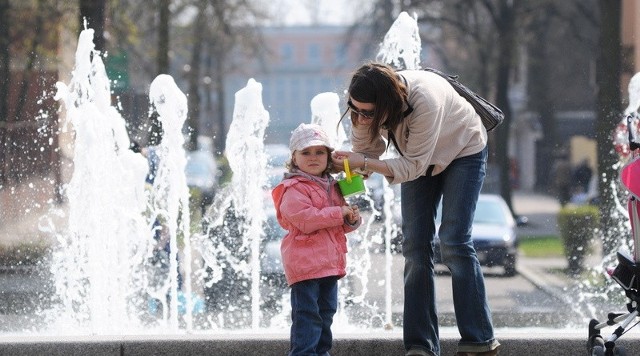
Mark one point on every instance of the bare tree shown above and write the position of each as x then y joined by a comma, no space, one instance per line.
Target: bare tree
164,18
5,24
28,44
609,110
539,93
194,74
92,11
504,18
233,36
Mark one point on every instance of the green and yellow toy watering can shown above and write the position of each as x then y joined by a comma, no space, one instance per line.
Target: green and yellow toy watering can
351,184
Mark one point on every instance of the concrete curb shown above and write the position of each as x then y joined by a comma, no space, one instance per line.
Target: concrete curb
377,343
542,281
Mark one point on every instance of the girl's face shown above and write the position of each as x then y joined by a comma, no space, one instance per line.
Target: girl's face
312,160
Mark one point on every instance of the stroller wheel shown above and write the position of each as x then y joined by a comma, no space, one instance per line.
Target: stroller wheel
595,344
597,351
600,351
619,351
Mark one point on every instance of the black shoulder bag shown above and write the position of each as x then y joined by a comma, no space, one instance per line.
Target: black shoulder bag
490,114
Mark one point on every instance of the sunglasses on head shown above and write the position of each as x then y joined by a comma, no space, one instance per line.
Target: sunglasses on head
356,112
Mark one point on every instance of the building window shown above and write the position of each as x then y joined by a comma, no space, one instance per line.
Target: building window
286,53
341,53
314,53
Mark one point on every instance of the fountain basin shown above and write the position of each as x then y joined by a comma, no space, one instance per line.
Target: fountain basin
521,342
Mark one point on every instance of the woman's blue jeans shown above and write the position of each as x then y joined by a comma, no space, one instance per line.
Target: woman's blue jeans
458,186
313,304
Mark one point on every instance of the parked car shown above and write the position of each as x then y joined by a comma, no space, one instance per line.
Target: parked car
493,234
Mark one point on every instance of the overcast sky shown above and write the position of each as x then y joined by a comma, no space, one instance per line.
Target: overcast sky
304,12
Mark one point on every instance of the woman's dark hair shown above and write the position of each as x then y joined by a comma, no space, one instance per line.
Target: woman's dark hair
379,84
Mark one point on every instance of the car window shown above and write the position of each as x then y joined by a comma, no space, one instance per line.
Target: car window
196,168
489,212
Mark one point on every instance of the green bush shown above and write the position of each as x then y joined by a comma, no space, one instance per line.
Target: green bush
577,225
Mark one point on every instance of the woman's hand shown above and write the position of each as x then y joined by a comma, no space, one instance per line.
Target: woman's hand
356,160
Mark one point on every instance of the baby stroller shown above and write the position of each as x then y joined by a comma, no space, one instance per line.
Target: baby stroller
627,272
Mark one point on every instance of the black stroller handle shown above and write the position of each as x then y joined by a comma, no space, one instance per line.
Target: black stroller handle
632,131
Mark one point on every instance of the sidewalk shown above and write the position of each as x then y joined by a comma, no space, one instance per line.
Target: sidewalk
546,273
540,209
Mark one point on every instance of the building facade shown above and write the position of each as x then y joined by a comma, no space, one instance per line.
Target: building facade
301,62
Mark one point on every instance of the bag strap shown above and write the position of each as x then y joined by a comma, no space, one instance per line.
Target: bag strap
391,137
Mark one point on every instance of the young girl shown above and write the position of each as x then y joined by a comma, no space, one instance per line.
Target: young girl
310,207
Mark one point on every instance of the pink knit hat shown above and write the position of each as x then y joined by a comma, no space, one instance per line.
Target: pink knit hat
307,135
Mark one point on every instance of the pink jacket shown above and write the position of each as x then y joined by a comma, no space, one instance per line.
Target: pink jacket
315,245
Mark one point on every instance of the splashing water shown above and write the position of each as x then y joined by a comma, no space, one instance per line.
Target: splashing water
103,269
170,195
325,112
594,298
105,274
231,244
401,46
99,259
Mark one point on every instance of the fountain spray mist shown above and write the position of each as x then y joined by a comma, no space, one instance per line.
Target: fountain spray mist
103,276
99,259
401,48
230,247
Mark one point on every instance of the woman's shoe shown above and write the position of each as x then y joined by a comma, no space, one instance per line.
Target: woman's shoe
417,352
495,344
485,353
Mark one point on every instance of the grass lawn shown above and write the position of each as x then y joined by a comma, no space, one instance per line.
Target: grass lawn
541,246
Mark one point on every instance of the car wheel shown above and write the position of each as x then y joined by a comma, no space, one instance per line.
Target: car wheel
510,266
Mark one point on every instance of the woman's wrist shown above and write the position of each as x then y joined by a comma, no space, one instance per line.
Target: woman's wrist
364,166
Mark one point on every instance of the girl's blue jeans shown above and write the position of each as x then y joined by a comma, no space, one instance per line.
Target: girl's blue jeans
458,186
313,304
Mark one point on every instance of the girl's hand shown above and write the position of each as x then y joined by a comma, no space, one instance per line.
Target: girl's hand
351,213
347,212
355,217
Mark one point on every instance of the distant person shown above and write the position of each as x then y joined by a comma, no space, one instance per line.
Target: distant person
582,176
161,258
562,184
310,207
442,146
